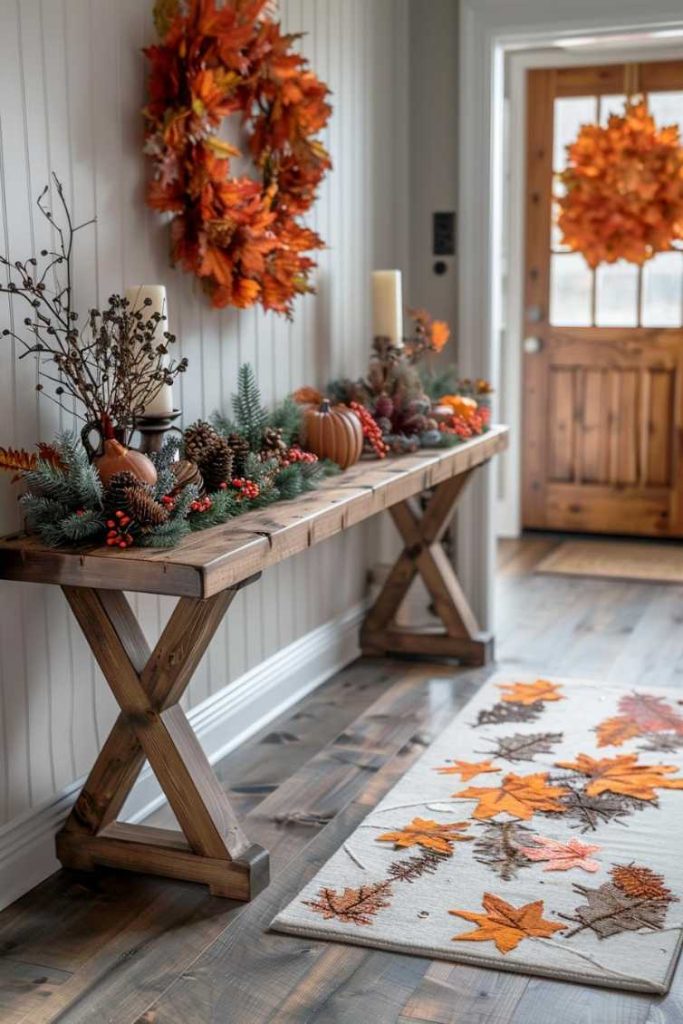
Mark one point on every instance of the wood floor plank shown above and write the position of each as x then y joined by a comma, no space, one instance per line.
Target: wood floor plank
136,950
128,974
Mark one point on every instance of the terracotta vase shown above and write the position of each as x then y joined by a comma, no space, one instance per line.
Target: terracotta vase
119,459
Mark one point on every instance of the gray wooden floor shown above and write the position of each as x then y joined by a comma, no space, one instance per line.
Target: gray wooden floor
131,950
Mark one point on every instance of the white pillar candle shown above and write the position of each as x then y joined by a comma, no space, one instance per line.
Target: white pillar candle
387,305
162,403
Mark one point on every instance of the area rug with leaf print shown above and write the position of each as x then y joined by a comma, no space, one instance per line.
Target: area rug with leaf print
542,832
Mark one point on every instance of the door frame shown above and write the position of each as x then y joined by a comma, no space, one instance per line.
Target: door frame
491,31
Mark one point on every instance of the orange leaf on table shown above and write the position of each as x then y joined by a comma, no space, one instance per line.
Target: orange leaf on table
506,925
530,693
518,795
467,769
623,775
429,835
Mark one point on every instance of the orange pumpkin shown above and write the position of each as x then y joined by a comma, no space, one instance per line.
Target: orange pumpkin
119,459
334,433
460,405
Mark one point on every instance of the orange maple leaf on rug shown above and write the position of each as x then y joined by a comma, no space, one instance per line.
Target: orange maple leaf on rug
562,856
467,769
429,835
615,731
506,925
518,795
624,775
530,693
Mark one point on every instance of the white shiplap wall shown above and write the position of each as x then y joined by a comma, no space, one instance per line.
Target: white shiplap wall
71,87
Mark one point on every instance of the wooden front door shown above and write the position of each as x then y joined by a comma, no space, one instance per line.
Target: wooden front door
603,350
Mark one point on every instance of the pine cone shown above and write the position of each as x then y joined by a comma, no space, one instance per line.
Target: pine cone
240,451
116,493
186,473
199,438
216,465
273,446
142,506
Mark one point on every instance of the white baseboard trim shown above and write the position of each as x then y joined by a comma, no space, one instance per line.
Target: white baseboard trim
221,723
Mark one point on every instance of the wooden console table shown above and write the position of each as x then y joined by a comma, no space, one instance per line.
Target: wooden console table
205,572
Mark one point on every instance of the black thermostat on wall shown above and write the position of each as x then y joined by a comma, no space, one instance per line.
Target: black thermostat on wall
443,242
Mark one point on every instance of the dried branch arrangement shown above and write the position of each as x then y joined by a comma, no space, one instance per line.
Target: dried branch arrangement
111,366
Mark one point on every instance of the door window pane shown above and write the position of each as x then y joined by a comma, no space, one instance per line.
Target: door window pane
570,113
570,290
663,290
666,108
610,105
616,295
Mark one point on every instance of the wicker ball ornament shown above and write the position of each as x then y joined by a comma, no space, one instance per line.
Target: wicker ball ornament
187,474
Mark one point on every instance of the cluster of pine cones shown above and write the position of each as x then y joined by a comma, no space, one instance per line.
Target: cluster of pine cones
128,495
211,460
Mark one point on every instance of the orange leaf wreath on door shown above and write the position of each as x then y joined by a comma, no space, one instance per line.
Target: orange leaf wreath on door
623,189
243,237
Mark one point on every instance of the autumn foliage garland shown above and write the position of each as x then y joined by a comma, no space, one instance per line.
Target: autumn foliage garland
243,237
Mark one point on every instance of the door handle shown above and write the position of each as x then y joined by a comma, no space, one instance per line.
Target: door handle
532,346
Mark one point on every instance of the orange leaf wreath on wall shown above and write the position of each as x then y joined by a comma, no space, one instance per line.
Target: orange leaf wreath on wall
623,189
243,237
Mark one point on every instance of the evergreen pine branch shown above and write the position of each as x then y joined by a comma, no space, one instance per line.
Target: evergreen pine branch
167,535
223,424
224,506
163,461
39,508
290,482
76,528
250,415
288,418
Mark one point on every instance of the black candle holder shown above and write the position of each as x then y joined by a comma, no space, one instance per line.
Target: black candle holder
153,429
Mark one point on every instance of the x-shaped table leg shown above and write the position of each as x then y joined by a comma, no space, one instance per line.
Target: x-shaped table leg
148,686
424,555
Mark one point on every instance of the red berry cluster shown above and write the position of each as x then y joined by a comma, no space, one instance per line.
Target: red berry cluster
201,504
117,530
168,501
297,454
248,489
471,426
371,430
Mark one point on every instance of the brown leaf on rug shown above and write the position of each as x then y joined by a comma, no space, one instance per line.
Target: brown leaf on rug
467,769
352,906
662,743
520,796
624,775
414,867
530,693
506,925
635,898
521,747
429,835
499,846
590,811
502,714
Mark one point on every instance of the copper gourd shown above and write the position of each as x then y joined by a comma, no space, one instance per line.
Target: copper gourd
116,458
334,433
